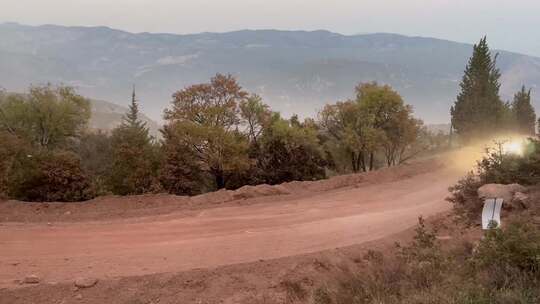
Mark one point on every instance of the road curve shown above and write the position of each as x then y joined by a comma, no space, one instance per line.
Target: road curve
280,227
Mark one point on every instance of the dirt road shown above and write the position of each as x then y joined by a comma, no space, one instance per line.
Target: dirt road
280,226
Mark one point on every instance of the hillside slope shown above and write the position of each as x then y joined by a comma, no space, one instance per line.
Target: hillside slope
296,71
106,116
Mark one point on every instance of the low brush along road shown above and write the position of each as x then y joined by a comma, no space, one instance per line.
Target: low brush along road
280,226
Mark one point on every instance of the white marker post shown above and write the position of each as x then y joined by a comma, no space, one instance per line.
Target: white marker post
492,213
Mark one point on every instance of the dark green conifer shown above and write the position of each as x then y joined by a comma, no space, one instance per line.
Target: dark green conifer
524,112
134,157
478,110
131,118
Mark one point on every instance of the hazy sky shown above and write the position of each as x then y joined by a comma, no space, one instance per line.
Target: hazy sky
512,25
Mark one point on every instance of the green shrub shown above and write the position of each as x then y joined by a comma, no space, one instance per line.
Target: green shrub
424,257
294,291
383,279
495,167
515,249
503,269
48,176
134,162
9,148
322,296
95,151
464,198
507,263
180,172
506,168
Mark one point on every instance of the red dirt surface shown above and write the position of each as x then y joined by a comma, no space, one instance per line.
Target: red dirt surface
168,234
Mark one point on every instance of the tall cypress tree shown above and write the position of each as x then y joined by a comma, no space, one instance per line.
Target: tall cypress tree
524,112
478,109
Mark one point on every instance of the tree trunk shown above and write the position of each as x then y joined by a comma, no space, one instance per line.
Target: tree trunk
362,161
353,162
390,158
220,179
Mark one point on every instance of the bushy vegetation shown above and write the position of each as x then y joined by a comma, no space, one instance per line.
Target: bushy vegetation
180,173
38,130
217,135
375,127
207,123
46,117
464,198
48,176
9,149
502,268
220,136
289,150
496,167
95,151
506,168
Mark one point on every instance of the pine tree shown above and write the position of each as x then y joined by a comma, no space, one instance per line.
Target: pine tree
478,110
134,156
524,112
131,118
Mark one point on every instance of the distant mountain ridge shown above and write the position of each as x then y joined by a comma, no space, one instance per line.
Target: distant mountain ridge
295,71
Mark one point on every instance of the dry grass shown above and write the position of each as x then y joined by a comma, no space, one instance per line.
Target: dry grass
503,268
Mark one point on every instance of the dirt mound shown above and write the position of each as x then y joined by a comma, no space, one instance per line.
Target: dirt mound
105,207
111,207
260,190
373,177
212,198
245,192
